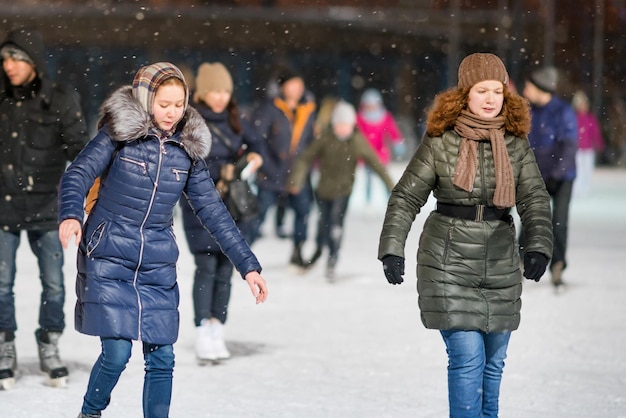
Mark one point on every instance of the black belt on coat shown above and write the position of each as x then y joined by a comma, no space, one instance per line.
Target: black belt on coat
473,213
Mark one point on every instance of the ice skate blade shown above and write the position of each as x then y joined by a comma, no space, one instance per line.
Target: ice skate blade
207,362
560,288
7,384
59,382
295,269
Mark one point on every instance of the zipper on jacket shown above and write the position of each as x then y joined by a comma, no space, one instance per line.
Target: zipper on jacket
141,236
177,172
141,164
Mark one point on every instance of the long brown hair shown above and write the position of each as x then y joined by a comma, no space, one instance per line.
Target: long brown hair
448,105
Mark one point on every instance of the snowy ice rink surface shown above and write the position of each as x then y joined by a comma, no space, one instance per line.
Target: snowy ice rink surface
356,348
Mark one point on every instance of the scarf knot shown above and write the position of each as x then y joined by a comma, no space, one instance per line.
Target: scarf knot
472,129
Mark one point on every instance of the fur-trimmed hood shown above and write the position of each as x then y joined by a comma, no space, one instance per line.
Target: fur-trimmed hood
126,121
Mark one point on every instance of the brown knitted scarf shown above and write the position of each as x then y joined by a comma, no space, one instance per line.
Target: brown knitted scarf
472,129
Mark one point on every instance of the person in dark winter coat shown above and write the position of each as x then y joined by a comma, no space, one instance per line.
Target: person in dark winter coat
337,150
41,128
232,139
476,159
149,151
286,124
554,139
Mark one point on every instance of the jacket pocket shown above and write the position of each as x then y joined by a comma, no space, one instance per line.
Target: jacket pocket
180,174
95,238
446,244
515,253
41,131
140,164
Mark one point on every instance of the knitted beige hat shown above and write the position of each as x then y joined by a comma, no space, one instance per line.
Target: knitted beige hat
480,67
212,77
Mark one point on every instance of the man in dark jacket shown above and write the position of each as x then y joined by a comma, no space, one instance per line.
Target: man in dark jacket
554,140
286,124
41,128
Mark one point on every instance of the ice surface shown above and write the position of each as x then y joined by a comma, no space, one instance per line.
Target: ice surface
356,348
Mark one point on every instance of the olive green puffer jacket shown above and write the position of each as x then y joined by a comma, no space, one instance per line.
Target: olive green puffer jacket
468,272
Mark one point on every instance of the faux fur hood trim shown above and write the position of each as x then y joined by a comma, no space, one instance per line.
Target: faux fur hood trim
126,121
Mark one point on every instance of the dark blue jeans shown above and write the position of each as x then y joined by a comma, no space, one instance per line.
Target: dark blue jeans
211,287
47,248
157,383
330,226
475,364
300,203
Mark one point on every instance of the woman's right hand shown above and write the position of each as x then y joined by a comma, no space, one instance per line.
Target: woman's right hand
69,228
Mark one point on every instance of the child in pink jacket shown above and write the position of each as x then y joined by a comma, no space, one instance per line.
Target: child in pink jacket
379,128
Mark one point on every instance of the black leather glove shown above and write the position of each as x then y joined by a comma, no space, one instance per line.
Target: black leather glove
534,265
393,267
553,185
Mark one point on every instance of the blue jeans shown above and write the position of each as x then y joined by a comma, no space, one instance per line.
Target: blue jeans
475,363
211,287
157,383
47,248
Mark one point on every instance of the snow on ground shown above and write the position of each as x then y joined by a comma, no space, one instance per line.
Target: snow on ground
356,348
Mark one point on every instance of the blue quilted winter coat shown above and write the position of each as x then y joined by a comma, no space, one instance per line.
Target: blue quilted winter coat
126,281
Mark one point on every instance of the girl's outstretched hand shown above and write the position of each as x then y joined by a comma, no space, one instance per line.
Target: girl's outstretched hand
257,286
69,228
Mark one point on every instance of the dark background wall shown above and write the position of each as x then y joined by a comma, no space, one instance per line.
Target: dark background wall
405,48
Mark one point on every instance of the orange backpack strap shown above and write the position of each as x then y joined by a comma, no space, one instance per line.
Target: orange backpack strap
92,196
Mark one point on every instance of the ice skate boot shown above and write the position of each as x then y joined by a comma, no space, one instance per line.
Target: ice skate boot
205,346
331,275
316,255
81,415
296,262
557,274
49,360
8,361
217,331
296,255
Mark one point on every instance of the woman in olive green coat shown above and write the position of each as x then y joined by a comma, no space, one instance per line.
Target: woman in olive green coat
476,159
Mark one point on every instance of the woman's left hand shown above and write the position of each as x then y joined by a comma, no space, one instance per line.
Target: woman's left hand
257,286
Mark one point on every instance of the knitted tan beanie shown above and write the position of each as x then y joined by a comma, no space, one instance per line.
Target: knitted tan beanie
212,77
480,67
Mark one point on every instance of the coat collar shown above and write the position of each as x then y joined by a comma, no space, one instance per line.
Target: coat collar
127,121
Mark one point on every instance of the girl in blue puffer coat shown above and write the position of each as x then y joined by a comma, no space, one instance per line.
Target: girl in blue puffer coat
149,151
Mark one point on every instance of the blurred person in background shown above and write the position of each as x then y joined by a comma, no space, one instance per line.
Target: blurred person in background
554,140
380,129
286,125
232,138
478,164
615,129
590,143
337,152
42,127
